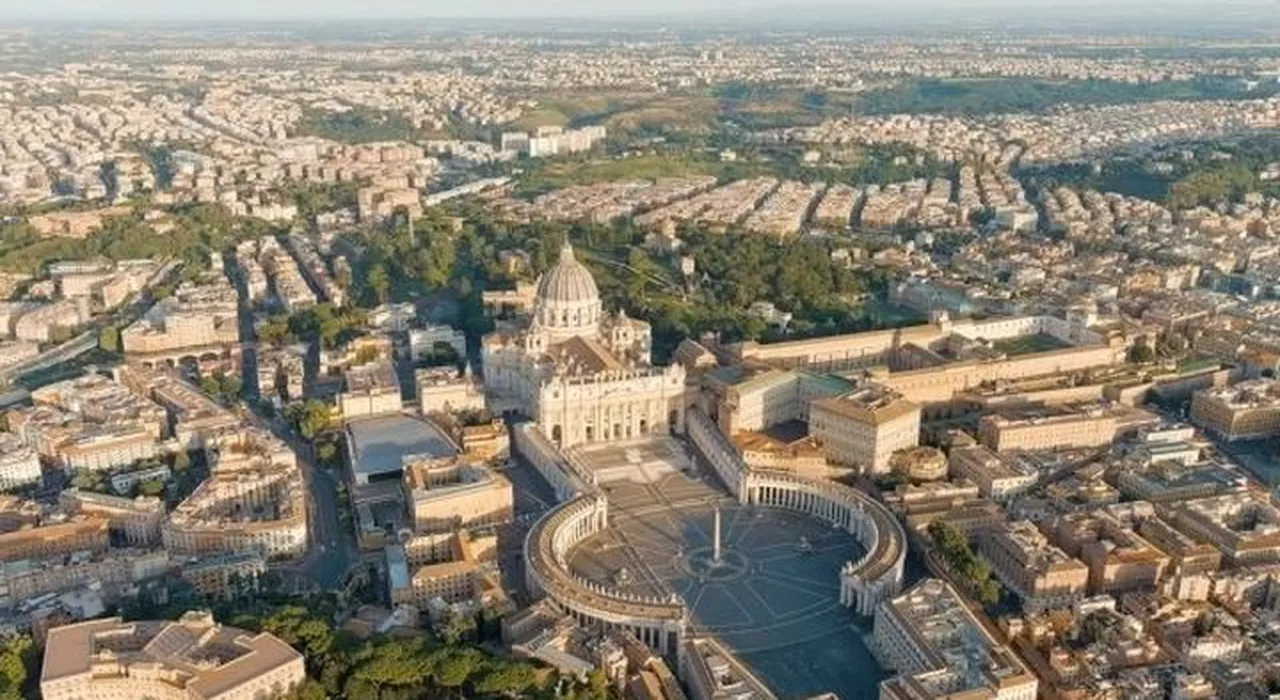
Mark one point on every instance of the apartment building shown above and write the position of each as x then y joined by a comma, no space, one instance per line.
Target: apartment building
19,464
194,658
56,538
939,649
135,520
254,500
863,428
199,318
1041,575
225,575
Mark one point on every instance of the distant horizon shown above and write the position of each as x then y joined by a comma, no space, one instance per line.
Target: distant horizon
1095,13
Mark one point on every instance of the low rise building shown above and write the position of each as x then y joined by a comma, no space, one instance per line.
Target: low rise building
446,390
370,390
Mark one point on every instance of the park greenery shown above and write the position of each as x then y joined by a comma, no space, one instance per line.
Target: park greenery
357,126
324,323
1180,176
953,546
199,230
735,269
977,97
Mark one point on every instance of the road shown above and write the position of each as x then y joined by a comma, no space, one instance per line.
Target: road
333,551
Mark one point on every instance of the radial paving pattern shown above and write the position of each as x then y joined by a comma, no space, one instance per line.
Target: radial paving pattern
773,597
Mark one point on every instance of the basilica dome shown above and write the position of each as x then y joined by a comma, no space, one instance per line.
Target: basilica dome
568,301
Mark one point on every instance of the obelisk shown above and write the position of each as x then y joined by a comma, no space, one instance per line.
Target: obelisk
716,545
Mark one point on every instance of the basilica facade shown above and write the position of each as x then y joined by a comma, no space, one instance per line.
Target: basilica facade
582,375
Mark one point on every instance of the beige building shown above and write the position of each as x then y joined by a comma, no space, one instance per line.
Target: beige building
998,477
1040,574
445,390
370,390
582,375
1245,411
79,534
255,499
136,520
445,494
452,567
197,320
865,427
1060,428
90,422
940,650
753,397
1243,526
193,658
225,575
1119,559
19,464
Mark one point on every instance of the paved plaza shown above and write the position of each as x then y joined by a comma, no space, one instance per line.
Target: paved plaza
774,594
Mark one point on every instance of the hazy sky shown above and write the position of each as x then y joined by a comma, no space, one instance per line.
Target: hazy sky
375,9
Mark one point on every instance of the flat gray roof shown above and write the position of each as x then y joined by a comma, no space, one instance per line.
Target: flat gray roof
379,445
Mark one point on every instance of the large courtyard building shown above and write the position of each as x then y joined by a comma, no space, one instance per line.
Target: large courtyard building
193,658
940,650
1245,411
1244,527
199,320
582,375
255,499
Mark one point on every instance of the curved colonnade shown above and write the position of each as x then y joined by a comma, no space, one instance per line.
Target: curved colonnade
662,623
584,511
864,583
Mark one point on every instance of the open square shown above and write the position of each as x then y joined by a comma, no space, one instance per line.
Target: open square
774,595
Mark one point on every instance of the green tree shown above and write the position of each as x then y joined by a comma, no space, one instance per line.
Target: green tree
310,418
109,339
326,453
378,281
154,487
506,678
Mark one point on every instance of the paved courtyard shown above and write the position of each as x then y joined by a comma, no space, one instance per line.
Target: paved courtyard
773,596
